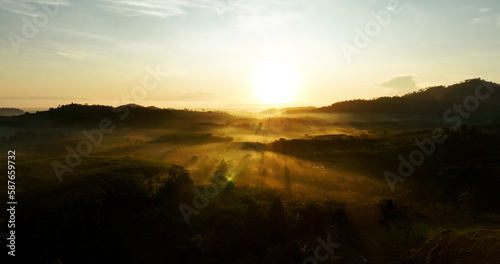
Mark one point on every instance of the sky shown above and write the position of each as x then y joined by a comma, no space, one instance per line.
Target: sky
239,53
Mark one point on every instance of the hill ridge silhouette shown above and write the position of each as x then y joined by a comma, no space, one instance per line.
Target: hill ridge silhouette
130,115
431,100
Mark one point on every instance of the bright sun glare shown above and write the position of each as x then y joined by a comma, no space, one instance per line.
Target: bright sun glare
276,83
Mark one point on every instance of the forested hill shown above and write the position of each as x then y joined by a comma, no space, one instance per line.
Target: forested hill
127,115
429,101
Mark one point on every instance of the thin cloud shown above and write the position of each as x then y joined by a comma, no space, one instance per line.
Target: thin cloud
262,23
485,18
154,8
401,84
22,98
81,45
29,7
83,36
481,20
197,96
250,16
264,15
80,55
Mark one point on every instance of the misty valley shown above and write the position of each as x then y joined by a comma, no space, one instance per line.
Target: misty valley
403,179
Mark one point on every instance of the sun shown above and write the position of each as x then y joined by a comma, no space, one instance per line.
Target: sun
276,83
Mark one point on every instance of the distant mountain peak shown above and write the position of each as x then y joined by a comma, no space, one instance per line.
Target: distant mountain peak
7,111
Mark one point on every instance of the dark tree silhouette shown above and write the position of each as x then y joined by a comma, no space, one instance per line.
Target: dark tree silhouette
395,216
